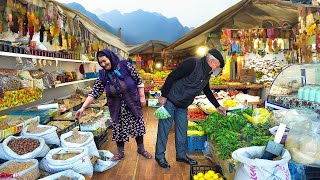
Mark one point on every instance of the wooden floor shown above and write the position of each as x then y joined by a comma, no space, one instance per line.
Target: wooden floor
135,166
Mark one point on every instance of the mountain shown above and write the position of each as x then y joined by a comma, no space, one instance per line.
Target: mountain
93,17
141,26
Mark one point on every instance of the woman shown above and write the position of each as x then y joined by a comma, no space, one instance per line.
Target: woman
125,95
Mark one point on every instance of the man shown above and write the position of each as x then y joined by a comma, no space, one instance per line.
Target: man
178,92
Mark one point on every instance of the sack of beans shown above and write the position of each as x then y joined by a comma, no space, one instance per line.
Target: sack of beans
23,148
20,170
48,133
66,175
61,159
80,139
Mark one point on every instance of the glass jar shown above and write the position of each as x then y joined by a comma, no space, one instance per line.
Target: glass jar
300,92
312,94
305,94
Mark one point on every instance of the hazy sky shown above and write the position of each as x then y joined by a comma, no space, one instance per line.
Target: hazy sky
192,13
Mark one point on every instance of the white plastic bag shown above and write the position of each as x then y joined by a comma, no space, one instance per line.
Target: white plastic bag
253,168
31,173
162,113
102,165
7,154
67,173
50,136
89,143
80,163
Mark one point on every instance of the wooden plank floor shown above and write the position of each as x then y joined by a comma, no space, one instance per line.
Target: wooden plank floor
135,166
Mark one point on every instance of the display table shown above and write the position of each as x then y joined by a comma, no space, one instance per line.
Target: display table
252,89
292,102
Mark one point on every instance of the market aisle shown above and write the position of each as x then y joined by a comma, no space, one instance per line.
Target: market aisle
137,167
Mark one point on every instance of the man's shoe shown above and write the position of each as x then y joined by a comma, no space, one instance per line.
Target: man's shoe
187,160
163,163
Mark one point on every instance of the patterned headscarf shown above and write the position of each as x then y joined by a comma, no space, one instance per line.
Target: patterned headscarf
114,59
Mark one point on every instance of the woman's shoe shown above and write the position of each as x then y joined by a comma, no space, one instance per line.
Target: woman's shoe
117,157
145,154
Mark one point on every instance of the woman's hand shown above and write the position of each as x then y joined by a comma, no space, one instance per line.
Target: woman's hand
143,101
79,113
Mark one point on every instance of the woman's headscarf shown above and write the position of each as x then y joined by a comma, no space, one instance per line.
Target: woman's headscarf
114,60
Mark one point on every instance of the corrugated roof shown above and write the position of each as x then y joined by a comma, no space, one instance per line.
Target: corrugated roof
245,14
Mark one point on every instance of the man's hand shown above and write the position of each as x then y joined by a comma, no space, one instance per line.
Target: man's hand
143,101
222,110
162,100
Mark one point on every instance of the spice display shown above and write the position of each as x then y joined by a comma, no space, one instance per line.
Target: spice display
36,74
10,83
76,96
23,146
38,130
64,156
61,125
3,125
8,72
80,139
15,167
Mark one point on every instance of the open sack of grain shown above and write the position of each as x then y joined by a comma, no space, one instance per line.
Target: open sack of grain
77,138
48,133
20,170
23,148
65,175
61,159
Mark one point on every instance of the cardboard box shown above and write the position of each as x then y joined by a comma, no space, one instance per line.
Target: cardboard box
247,75
153,103
154,94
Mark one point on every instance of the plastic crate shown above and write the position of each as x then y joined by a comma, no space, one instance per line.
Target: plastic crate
195,169
91,75
43,114
196,143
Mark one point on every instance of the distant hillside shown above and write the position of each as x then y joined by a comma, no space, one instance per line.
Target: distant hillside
141,26
93,17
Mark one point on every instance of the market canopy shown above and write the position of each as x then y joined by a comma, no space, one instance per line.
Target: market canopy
99,32
246,14
152,43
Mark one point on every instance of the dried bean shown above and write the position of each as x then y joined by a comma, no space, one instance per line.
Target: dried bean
23,146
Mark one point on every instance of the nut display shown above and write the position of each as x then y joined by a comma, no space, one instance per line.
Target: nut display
15,167
61,125
23,146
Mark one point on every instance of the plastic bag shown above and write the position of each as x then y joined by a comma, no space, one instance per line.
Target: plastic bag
162,113
89,143
26,64
292,116
38,83
31,173
50,135
104,162
79,163
48,80
8,154
67,173
26,79
260,115
36,74
254,168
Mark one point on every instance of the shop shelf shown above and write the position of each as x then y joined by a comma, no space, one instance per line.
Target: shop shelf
74,82
8,54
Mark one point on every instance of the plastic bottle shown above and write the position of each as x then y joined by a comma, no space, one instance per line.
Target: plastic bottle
305,94
312,94
300,92
318,95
